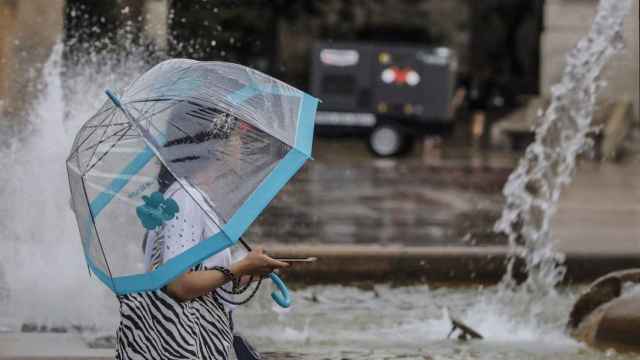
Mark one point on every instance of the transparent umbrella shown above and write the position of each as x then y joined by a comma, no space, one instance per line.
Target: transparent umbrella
230,136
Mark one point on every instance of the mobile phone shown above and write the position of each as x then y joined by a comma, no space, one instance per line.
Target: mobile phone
301,259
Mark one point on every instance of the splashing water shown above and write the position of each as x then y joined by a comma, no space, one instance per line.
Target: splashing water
41,256
561,134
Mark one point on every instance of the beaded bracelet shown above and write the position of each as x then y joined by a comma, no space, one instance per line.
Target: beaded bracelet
228,275
238,288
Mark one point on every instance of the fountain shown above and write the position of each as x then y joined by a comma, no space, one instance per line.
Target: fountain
561,134
42,257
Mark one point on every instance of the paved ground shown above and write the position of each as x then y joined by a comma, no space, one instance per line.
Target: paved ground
433,215
447,197
425,217
600,211
48,346
346,196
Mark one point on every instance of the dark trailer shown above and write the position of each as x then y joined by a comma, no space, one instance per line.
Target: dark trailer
391,93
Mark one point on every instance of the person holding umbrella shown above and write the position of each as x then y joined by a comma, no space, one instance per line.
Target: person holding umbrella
202,314
186,159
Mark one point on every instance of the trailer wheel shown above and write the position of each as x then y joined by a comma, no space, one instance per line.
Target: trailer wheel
387,140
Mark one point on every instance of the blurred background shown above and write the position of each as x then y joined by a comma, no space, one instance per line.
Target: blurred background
427,107
505,51
482,71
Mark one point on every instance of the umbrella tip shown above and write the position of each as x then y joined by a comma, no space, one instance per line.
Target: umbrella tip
113,97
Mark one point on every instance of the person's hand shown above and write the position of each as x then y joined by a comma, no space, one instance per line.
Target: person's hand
257,263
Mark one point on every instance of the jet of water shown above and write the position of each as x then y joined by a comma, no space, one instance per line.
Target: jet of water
561,134
41,257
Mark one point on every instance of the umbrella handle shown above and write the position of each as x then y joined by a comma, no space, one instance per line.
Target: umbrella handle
281,298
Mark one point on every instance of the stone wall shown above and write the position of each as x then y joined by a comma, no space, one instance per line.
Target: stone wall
7,28
28,31
566,21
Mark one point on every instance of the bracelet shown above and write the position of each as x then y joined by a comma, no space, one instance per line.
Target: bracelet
228,275
237,287
241,302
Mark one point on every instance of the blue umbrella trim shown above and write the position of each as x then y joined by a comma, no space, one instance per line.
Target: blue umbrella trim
232,230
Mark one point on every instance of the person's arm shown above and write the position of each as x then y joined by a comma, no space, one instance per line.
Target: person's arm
193,284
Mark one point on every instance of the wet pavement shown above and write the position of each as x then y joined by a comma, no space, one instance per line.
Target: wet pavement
433,212
447,196
599,213
340,323
348,196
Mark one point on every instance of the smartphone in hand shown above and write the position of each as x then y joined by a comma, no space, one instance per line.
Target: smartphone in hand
298,259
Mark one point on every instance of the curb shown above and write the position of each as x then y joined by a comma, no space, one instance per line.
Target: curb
49,346
451,266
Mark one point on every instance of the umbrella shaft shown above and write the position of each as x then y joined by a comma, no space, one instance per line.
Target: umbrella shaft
246,246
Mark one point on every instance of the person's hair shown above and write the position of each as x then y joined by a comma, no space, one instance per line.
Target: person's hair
220,129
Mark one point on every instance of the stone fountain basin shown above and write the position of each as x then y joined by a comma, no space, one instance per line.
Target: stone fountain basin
607,316
381,322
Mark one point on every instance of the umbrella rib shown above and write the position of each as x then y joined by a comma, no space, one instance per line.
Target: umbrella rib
145,115
92,132
115,133
149,86
114,124
102,122
95,229
169,121
151,99
111,147
153,146
130,137
179,75
182,181
102,139
149,106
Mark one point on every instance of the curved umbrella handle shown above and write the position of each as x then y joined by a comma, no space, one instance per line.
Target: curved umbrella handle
281,298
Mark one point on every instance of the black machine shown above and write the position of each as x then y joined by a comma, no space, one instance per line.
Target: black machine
393,93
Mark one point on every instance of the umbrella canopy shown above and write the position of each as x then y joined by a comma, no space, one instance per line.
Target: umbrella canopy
229,136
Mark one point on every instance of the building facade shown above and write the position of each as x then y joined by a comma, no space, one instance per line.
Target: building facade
30,29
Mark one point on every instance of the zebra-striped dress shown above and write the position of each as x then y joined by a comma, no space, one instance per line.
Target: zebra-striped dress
154,326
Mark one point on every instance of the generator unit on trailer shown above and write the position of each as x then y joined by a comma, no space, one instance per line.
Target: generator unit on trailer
392,93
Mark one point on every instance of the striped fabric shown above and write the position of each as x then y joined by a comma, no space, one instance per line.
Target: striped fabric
154,326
